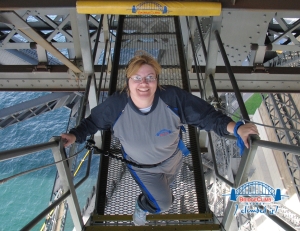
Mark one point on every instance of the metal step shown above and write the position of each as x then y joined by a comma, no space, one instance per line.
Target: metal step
201,221
204,227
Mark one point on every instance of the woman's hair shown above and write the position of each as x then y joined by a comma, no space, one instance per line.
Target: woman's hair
136,62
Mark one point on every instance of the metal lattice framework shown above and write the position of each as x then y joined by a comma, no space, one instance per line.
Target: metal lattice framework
284,113
288,57
55,29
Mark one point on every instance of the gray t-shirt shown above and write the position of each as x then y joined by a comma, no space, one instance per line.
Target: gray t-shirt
148,138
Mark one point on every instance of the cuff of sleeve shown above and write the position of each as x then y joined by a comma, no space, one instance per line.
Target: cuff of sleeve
75,134
236,127
239,142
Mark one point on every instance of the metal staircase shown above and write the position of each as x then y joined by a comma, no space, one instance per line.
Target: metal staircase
116,190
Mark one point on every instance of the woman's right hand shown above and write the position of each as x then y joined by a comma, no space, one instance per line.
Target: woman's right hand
68,139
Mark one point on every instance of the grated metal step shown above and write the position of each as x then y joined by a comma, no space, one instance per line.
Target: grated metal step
201,221
206,227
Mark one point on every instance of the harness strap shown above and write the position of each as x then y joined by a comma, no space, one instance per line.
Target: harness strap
90,145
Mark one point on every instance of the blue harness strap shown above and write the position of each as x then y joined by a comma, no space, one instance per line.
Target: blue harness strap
181,144
183,148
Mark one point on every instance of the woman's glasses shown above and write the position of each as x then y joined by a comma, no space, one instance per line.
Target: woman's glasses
140,79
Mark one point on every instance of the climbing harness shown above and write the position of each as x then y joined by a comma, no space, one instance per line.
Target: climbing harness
90,145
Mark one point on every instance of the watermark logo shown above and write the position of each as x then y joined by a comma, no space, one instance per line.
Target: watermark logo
256,197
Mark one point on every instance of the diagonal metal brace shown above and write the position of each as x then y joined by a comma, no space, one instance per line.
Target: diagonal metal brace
20,24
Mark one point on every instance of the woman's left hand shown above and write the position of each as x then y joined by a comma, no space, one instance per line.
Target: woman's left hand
245,130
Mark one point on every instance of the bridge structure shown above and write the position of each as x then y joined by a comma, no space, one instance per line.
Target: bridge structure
50,47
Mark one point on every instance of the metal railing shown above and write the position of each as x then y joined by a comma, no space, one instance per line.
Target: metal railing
61,162
254,141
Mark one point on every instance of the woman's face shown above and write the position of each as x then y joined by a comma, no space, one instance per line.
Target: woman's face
144,89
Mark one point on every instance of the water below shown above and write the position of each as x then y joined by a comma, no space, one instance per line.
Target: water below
23,198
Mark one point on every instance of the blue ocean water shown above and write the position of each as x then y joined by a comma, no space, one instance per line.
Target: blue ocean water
23,198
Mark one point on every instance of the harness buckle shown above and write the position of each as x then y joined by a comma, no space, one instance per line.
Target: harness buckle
90,144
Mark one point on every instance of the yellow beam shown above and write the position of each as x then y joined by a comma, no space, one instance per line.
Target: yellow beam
168,8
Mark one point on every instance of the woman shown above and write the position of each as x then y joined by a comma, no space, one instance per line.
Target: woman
147,118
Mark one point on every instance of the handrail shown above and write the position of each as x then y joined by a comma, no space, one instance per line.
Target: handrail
60,157
45,212
272,145
17,152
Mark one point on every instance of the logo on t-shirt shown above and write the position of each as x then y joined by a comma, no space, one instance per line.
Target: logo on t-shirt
164,132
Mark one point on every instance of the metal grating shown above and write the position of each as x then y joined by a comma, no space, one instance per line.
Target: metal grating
121,190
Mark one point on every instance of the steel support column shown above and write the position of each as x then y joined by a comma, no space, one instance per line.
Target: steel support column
67,183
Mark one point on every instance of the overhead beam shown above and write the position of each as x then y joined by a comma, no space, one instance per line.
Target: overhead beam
58,78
